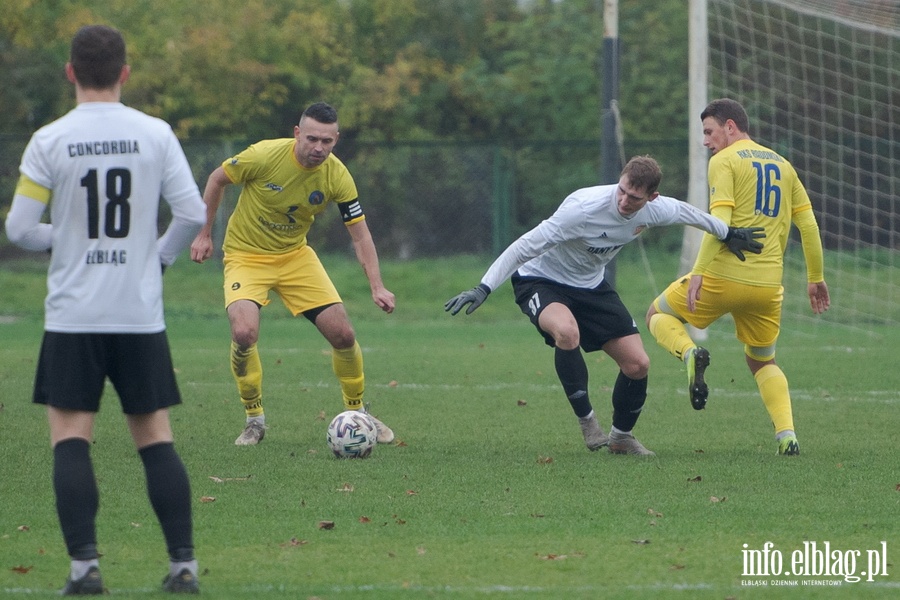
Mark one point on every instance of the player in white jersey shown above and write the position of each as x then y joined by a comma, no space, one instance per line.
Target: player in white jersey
102,169
558,271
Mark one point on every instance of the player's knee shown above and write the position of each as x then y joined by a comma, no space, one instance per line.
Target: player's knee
636,367
567,338
244,336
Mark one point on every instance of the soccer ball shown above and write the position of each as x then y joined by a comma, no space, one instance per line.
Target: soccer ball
352,434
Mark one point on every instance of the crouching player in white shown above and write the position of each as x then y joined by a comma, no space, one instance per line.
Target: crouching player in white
558,270
102,169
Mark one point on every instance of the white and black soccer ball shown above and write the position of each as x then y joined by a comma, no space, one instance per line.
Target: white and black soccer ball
352,434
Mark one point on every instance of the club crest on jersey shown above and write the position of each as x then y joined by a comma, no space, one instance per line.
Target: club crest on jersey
316,198
274,187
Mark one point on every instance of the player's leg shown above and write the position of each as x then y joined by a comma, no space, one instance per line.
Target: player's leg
69,381
757,324
143,376
666,319
246,368
558,322
248,279
629,393
347,362
305,288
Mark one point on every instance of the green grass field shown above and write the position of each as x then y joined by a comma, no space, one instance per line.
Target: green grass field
489,492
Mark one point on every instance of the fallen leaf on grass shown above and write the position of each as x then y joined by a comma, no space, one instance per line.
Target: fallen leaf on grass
207,499
554,557
400,444
640,541
135,525
544,460
715,499
23,528
521,403
321,416
21,570
695,479
224,479
654,513
420,551
365,519
676,567
412,493
393,383
326,525
293,542
345,488
897,487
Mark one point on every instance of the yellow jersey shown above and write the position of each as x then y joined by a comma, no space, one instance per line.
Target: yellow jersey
762,189
281,198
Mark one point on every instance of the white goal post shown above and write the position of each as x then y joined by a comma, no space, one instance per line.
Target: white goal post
821,82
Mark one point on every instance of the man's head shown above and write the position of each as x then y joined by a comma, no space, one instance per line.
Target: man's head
316,135
97,57
638,184
724,122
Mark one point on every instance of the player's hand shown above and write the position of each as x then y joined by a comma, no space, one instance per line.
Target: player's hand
475,297
201,248
693,294
819,299
384,300
741,239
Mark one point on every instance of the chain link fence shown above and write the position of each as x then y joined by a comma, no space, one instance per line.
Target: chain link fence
427,199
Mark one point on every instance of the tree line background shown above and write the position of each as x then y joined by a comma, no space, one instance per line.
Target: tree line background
464,121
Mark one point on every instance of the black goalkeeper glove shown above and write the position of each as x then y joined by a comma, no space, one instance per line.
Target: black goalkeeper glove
740,239
475,297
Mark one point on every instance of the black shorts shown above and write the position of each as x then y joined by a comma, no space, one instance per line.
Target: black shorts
73,367
599,312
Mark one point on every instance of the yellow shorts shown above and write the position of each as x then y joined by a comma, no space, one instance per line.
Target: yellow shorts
756,310
297,277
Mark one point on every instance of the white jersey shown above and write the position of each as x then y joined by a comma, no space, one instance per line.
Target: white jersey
576,243
107,165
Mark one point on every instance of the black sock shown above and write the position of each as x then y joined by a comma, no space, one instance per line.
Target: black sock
573,374
77,498
169,490
628,401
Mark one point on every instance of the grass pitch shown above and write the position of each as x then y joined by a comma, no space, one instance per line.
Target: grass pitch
488,490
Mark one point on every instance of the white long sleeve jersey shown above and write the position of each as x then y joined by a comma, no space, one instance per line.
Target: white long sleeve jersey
107,165
575,244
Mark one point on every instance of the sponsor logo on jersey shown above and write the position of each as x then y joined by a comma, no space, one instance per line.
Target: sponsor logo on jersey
105,147
105,257
603,250
274,187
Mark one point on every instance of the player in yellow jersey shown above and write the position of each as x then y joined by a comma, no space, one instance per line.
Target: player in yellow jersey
286,183
749,186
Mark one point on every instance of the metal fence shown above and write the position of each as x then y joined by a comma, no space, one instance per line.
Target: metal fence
425,199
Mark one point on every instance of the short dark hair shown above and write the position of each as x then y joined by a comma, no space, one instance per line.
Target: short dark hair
321,112
724,109
97,56
643,173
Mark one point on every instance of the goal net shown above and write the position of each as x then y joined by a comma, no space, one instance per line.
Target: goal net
821,82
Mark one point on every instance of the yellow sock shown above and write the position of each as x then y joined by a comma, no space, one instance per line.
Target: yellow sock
247,370
671,334
773,387
348,366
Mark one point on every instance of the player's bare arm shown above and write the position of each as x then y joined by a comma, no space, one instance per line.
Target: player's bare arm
367,256
202,246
